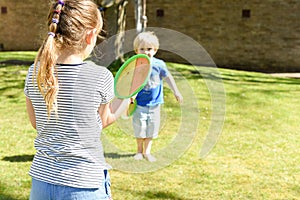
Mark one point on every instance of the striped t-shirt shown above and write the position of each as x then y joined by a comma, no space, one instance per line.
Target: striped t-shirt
68,147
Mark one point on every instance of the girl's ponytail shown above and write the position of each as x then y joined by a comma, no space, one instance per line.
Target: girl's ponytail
46,60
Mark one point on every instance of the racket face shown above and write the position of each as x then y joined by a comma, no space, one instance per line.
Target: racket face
132,76
131,108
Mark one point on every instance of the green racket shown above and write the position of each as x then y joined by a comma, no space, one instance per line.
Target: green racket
132,76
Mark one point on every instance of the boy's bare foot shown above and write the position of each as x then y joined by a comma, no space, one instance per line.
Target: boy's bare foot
150,158
138,156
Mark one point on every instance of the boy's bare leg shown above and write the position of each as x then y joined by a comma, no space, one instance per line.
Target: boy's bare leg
148,145
140,143
139,154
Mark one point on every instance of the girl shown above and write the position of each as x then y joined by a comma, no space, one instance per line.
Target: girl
68,103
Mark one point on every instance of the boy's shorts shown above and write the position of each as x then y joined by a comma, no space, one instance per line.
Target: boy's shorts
146,121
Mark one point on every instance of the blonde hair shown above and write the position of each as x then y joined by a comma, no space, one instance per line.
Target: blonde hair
68,23
146,38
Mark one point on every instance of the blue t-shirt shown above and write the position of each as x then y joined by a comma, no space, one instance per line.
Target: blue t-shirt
152,93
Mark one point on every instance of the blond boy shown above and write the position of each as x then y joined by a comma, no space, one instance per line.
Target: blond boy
146,119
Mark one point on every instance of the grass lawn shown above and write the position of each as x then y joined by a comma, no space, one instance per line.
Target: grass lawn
256,157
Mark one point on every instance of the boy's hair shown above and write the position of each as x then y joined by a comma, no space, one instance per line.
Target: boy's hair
146,38
68,23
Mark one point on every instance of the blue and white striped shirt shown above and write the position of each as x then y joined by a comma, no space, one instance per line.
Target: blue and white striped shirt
68,147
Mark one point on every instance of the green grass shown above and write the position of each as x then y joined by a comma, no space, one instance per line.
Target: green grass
17,55
256,157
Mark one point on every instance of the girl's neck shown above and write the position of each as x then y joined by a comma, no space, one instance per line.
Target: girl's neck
69,58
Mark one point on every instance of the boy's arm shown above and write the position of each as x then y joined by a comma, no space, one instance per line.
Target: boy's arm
171,82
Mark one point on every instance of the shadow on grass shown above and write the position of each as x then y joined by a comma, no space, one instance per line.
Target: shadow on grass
117,156
254,78
158,195
163,195
18,158
15,62
12,91
212,73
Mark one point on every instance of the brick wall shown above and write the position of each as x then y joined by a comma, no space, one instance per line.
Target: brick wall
23,25
267,40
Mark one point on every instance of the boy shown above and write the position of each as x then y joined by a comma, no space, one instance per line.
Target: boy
146,119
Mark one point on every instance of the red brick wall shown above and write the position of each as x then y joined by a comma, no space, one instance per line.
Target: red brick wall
24,24
267,41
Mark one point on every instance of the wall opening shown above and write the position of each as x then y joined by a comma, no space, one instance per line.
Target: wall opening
246,13
3,10
160,13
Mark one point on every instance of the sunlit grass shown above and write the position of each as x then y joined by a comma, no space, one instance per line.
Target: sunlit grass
256,156
17,55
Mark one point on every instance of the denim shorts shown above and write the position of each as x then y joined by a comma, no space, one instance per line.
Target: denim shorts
146,121
44,191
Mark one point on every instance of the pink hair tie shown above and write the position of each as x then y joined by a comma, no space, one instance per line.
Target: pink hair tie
51,34
57,11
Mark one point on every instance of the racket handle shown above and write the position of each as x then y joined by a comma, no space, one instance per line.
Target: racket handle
131,101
